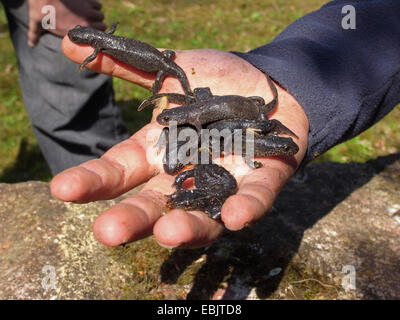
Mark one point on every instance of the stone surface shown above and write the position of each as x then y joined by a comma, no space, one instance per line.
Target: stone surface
331,220
40,236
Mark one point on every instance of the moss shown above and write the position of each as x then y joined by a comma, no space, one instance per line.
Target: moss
295,284
143,260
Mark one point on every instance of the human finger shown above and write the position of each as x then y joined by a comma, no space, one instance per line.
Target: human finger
98,25
130,220
95,4
186,229
95,15
123,167
34,32
256,193
141,215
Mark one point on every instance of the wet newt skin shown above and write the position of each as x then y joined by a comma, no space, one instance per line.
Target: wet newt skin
266,143
218,108
269,127
214,184
228,112
269,146
134,53
209,108
171,163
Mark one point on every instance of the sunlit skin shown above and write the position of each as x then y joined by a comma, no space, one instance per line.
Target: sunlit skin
125,165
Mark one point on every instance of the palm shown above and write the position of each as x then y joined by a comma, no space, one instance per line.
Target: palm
128,164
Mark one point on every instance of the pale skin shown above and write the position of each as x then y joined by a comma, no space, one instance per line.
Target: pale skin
69,13
125,166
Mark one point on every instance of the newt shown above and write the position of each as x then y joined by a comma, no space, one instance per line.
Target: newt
135,53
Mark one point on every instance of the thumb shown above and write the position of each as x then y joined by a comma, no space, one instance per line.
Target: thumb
34,32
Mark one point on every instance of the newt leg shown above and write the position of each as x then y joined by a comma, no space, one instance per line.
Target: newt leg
177,98
252,164
112,28
158,81
182,177
185,84
89,59
202,94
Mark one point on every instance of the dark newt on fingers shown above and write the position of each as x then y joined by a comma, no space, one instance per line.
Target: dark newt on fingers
134,53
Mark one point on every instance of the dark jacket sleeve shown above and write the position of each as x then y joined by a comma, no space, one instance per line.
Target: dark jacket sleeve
346,80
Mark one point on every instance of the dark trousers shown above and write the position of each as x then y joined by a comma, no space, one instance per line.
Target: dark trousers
74,115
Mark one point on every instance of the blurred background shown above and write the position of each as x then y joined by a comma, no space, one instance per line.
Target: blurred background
238,25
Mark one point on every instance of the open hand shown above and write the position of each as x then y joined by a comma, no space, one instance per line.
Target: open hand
126,165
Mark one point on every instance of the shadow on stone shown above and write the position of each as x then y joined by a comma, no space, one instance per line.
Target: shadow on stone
259,256
337,216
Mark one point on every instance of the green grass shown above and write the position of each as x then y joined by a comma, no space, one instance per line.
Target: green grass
181,24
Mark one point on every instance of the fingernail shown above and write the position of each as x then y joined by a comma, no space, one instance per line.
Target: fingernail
165,246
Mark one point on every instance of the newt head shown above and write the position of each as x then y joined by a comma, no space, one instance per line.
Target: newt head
288,148
279,146
81,35
180,115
